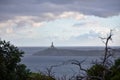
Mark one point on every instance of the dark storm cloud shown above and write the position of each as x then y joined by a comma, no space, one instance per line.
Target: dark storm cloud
102,8
36,1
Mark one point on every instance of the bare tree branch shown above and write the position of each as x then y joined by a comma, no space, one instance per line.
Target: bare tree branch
106,47
78,63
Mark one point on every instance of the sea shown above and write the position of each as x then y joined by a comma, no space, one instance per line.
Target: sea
62,65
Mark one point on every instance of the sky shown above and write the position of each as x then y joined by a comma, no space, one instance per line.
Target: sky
64,22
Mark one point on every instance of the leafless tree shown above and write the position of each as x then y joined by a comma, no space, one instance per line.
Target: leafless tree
106,62
107,53
49,70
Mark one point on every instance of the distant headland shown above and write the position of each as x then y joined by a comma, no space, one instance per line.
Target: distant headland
56,51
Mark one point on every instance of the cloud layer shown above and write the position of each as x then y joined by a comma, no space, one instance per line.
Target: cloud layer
10,8
75,22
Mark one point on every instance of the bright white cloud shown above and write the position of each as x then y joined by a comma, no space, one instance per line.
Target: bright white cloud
75,15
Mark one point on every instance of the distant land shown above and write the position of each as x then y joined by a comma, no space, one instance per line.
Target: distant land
54,51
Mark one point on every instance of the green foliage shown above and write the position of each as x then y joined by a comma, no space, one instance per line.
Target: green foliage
115,70
39,76
10,67
21,72
96,70
112,73
117,63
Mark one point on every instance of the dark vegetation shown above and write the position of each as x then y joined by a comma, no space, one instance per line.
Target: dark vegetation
12,69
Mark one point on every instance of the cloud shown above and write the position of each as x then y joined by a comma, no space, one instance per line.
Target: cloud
91,35
19,26
38,21
48,20
9,30
22,26
75,15
12,8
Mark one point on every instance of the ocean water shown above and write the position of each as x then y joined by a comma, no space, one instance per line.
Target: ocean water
62,64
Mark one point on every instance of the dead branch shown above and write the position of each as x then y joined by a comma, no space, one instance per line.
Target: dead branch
78,63
106,54
49,70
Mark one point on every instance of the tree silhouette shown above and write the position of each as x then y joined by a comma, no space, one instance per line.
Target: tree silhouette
10,67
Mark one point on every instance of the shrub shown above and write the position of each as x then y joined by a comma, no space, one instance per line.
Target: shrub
10,67
39,76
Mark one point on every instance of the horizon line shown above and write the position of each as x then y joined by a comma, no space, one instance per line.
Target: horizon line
67,46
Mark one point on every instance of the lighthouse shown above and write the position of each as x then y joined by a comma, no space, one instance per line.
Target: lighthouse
52,46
